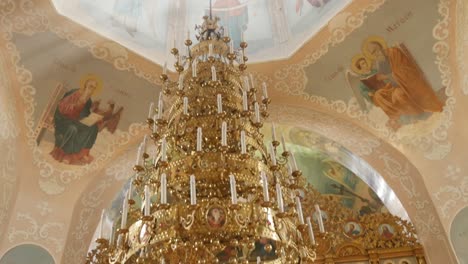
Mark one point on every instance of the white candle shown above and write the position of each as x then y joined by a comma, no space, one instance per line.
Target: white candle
138,157
155,124
279,198
199,139
193,190
257,113
265,91
266,195
219,101
194,69
101,223
181,82
232,181
246,83
224,134
252,80
147,200
242,36
130,190
165,68
243,145
164,149
150,109
231,47
185,105
123,223
272,155
111,237
283,142
210,50
273,131
213,74
244,101
160,105
300,215
145,144
142,252
188,34
259,260
320,219
163,189
226,33
163,261
293,161
311,231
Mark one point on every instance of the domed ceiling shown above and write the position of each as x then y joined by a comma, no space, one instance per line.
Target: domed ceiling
274,29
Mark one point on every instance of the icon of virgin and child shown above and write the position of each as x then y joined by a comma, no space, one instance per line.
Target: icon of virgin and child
390,79
78,120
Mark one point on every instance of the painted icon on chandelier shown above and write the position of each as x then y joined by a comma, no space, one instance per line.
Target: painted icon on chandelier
386,231
216,217
77,119
389,78
353,229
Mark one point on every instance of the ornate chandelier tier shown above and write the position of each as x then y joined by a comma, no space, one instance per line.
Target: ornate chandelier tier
213,192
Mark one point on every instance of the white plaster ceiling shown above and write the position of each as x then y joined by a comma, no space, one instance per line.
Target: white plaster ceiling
274,29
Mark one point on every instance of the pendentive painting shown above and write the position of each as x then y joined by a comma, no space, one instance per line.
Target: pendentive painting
83,105
387,69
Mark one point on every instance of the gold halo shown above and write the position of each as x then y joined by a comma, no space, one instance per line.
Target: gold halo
370,39
354,62
95,78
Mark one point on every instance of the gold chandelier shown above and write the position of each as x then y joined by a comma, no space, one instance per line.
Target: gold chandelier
214,192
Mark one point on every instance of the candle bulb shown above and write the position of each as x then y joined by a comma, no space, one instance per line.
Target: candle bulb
210,50
164,149
147,201
252,80
266,195
101,223
185,105
279,198
151,109
123,223
311,231
273,131
213,73
163,190
257,113
244,101
243,145
194,68
283,142
294,163
272,155
232,181
160,106
181,82
219,100
320,219
138,157
155,124
265,91
224,134
231,47
199,139
165,68
300,215
193,191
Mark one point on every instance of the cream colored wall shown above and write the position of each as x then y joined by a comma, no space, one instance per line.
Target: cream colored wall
432,191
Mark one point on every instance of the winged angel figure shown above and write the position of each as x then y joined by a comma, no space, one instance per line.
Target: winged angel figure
390,79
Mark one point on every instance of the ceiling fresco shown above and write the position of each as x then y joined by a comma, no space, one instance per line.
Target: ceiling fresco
83,110
392,77
148,27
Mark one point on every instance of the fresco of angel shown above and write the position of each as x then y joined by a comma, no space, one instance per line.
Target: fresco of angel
390,79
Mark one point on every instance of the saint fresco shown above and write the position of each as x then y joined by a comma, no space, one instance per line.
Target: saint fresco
390,79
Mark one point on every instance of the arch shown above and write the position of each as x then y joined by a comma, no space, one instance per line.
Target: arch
26,254
459,235
368,151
